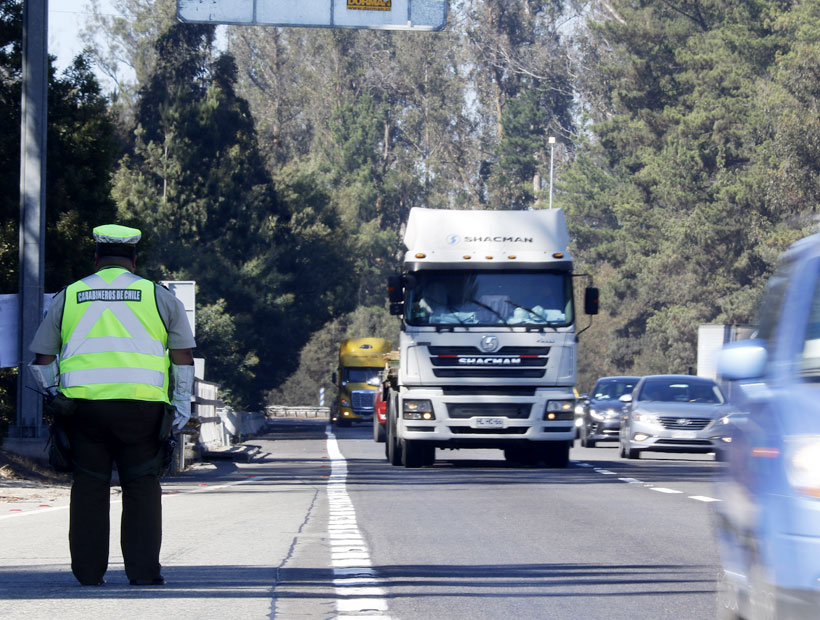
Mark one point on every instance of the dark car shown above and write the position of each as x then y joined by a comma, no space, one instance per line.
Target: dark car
602,411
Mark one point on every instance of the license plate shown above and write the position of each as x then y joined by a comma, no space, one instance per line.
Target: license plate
684,434
487,423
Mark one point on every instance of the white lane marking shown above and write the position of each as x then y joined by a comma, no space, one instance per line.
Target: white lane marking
355,584
631,480
605,472
664,490
703,498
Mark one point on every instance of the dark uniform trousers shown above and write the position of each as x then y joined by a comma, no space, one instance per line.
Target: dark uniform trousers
125,432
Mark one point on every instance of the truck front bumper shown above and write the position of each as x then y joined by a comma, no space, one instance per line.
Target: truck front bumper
455,426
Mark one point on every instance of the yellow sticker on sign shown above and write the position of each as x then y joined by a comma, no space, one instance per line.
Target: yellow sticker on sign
369,5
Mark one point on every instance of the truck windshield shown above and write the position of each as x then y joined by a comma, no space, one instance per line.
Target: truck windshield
362,375
515,298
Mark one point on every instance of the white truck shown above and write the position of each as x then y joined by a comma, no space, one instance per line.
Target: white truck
488,341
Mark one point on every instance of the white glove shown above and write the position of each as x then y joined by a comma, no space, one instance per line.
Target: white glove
183,377
47,376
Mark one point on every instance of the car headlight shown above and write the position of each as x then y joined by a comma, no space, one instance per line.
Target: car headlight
417,410
803,464
595,414
645,418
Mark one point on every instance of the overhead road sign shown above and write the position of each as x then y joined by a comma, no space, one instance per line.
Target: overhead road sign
373,14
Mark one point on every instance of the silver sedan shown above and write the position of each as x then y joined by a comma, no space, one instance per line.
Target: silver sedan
671,413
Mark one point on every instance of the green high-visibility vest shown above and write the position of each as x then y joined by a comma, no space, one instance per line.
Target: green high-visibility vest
114,340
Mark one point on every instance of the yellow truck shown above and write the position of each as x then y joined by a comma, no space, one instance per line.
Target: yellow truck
361,361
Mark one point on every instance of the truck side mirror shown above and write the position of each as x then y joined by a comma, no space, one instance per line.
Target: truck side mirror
333,378
395,291
591,300
397,309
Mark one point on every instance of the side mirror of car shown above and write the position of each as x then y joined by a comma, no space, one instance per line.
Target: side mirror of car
742,360
626,398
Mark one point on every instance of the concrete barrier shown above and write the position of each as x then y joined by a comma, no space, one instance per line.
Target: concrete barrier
281,411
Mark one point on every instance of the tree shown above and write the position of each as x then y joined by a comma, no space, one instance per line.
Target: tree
80,152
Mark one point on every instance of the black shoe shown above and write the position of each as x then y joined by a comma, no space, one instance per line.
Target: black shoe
101,582
156,581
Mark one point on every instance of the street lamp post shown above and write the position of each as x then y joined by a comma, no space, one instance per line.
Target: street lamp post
551,141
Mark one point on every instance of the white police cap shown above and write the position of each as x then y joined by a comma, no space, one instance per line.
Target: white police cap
114,233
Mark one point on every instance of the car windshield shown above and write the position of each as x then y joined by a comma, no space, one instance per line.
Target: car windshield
362,375
810,358
612,389
515,298
681,391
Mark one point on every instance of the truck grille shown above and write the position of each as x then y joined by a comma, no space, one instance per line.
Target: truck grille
362,400
685,424
458,410
509,362
466,430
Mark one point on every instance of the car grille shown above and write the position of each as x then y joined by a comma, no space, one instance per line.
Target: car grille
684,424
458,410
507,362
683,442
362,400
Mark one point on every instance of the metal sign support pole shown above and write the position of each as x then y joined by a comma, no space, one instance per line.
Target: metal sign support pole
32,203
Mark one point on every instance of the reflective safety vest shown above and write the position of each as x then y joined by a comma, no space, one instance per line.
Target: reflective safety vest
114,340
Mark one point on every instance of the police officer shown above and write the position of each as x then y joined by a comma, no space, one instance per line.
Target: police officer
114,332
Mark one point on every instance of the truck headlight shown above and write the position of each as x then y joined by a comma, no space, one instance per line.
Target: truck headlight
417,410
560,410
803,464
345,402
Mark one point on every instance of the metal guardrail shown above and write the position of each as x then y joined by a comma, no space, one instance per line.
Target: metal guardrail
282,411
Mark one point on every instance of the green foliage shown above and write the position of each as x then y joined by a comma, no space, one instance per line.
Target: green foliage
700,176
80,153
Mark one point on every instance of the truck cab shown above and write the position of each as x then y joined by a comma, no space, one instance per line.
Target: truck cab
361,361
488,339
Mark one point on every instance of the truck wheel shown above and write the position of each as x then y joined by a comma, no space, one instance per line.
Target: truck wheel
556,455
415,453
378,431
394,451
522,455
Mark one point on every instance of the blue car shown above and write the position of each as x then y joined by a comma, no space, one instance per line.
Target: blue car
768,524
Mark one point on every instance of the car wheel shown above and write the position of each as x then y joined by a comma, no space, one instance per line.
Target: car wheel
728,599
632,453
763,601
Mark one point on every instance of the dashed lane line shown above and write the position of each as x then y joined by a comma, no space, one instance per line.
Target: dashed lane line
651,487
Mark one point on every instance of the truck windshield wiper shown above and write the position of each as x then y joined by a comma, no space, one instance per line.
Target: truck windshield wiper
532,313
493,310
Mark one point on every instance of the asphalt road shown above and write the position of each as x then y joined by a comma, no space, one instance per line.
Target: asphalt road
321,526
